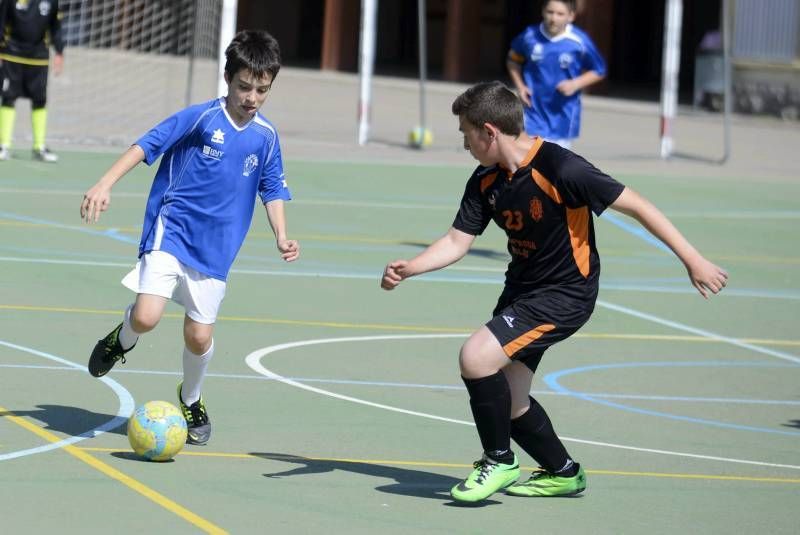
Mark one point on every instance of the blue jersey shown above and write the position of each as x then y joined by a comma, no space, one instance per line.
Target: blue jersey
202,199
545,62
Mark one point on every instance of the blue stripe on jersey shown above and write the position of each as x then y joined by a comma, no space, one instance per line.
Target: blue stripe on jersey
207,182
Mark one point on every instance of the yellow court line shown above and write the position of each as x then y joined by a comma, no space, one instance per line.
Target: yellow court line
410,328
113,473
461,465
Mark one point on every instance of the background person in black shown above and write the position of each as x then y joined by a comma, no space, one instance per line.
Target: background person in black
542,196
29,28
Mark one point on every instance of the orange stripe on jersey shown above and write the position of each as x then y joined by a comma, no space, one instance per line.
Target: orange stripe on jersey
546,186
518,343
578,224
516,58
537,144
487,181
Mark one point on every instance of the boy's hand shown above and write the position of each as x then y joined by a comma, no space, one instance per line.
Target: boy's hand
393,274
567,87
290,250
706,277
96,200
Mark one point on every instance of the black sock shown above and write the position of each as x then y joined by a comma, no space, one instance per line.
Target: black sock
490,401
534,433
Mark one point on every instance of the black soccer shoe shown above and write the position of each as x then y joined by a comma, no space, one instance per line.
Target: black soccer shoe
106,353
197,421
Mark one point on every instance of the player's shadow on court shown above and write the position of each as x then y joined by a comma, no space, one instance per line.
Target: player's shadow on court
407,482
68,420
792,423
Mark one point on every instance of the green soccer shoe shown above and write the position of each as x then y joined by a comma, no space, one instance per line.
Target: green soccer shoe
543,484
487,478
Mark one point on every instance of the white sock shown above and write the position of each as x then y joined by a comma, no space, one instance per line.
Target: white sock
127,336
194,371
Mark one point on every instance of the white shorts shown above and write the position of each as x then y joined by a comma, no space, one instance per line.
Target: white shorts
160,273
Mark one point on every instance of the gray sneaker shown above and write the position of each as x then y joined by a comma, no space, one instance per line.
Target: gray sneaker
5,154
45,155
196,420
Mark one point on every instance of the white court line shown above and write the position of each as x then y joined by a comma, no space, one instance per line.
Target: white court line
254,361
126,406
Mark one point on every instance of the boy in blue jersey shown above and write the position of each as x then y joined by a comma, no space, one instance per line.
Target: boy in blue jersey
542,196
550,64
217,156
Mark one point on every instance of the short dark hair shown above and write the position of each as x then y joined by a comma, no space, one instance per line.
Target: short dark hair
491,102
572,5
254,50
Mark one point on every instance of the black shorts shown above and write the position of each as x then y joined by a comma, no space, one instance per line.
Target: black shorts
526,322
26,81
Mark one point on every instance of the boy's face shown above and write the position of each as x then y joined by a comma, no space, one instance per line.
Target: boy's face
478,142
556,16
246,94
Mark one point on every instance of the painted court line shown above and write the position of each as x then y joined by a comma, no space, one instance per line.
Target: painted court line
126,406
254,361
459,388
392,462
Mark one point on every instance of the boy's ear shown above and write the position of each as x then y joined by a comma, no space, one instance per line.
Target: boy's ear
491,130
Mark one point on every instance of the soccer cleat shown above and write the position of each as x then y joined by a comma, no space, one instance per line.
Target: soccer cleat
45,155
5,154
106,353
488,477
545,484
196,420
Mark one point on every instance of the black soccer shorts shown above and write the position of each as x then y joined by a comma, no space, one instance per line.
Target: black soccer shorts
26,81
527,323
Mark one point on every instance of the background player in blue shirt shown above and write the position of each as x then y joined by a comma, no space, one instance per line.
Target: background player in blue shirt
550,64
542,196
217,156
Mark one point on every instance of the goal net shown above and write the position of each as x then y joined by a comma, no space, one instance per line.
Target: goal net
128,64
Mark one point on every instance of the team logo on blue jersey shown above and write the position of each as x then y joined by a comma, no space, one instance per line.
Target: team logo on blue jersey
218,137
250,164
44,8
538,52
565,60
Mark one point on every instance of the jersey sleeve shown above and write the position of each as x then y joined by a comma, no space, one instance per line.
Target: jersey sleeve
592,60
167,133
582,184
272,185
518,51
56,29
473,214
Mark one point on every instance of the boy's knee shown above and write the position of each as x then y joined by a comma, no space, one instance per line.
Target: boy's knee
198,341
144,321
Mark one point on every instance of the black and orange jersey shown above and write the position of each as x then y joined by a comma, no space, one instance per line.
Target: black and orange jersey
29,28
545,208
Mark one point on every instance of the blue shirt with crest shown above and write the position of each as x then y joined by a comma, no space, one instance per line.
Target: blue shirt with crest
546,61
203,196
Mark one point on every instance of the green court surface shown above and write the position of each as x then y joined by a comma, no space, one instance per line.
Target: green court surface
338,408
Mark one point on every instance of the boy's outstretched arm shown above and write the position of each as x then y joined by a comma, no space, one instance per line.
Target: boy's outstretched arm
705,276
289,249
98,198
446,250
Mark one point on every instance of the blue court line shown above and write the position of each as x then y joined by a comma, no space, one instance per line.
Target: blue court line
108,233
552,381
637,230
391,384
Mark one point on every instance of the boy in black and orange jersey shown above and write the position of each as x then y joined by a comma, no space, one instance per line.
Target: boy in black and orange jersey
542,196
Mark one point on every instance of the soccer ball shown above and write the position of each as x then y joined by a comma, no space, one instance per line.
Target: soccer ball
420,137
157,431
